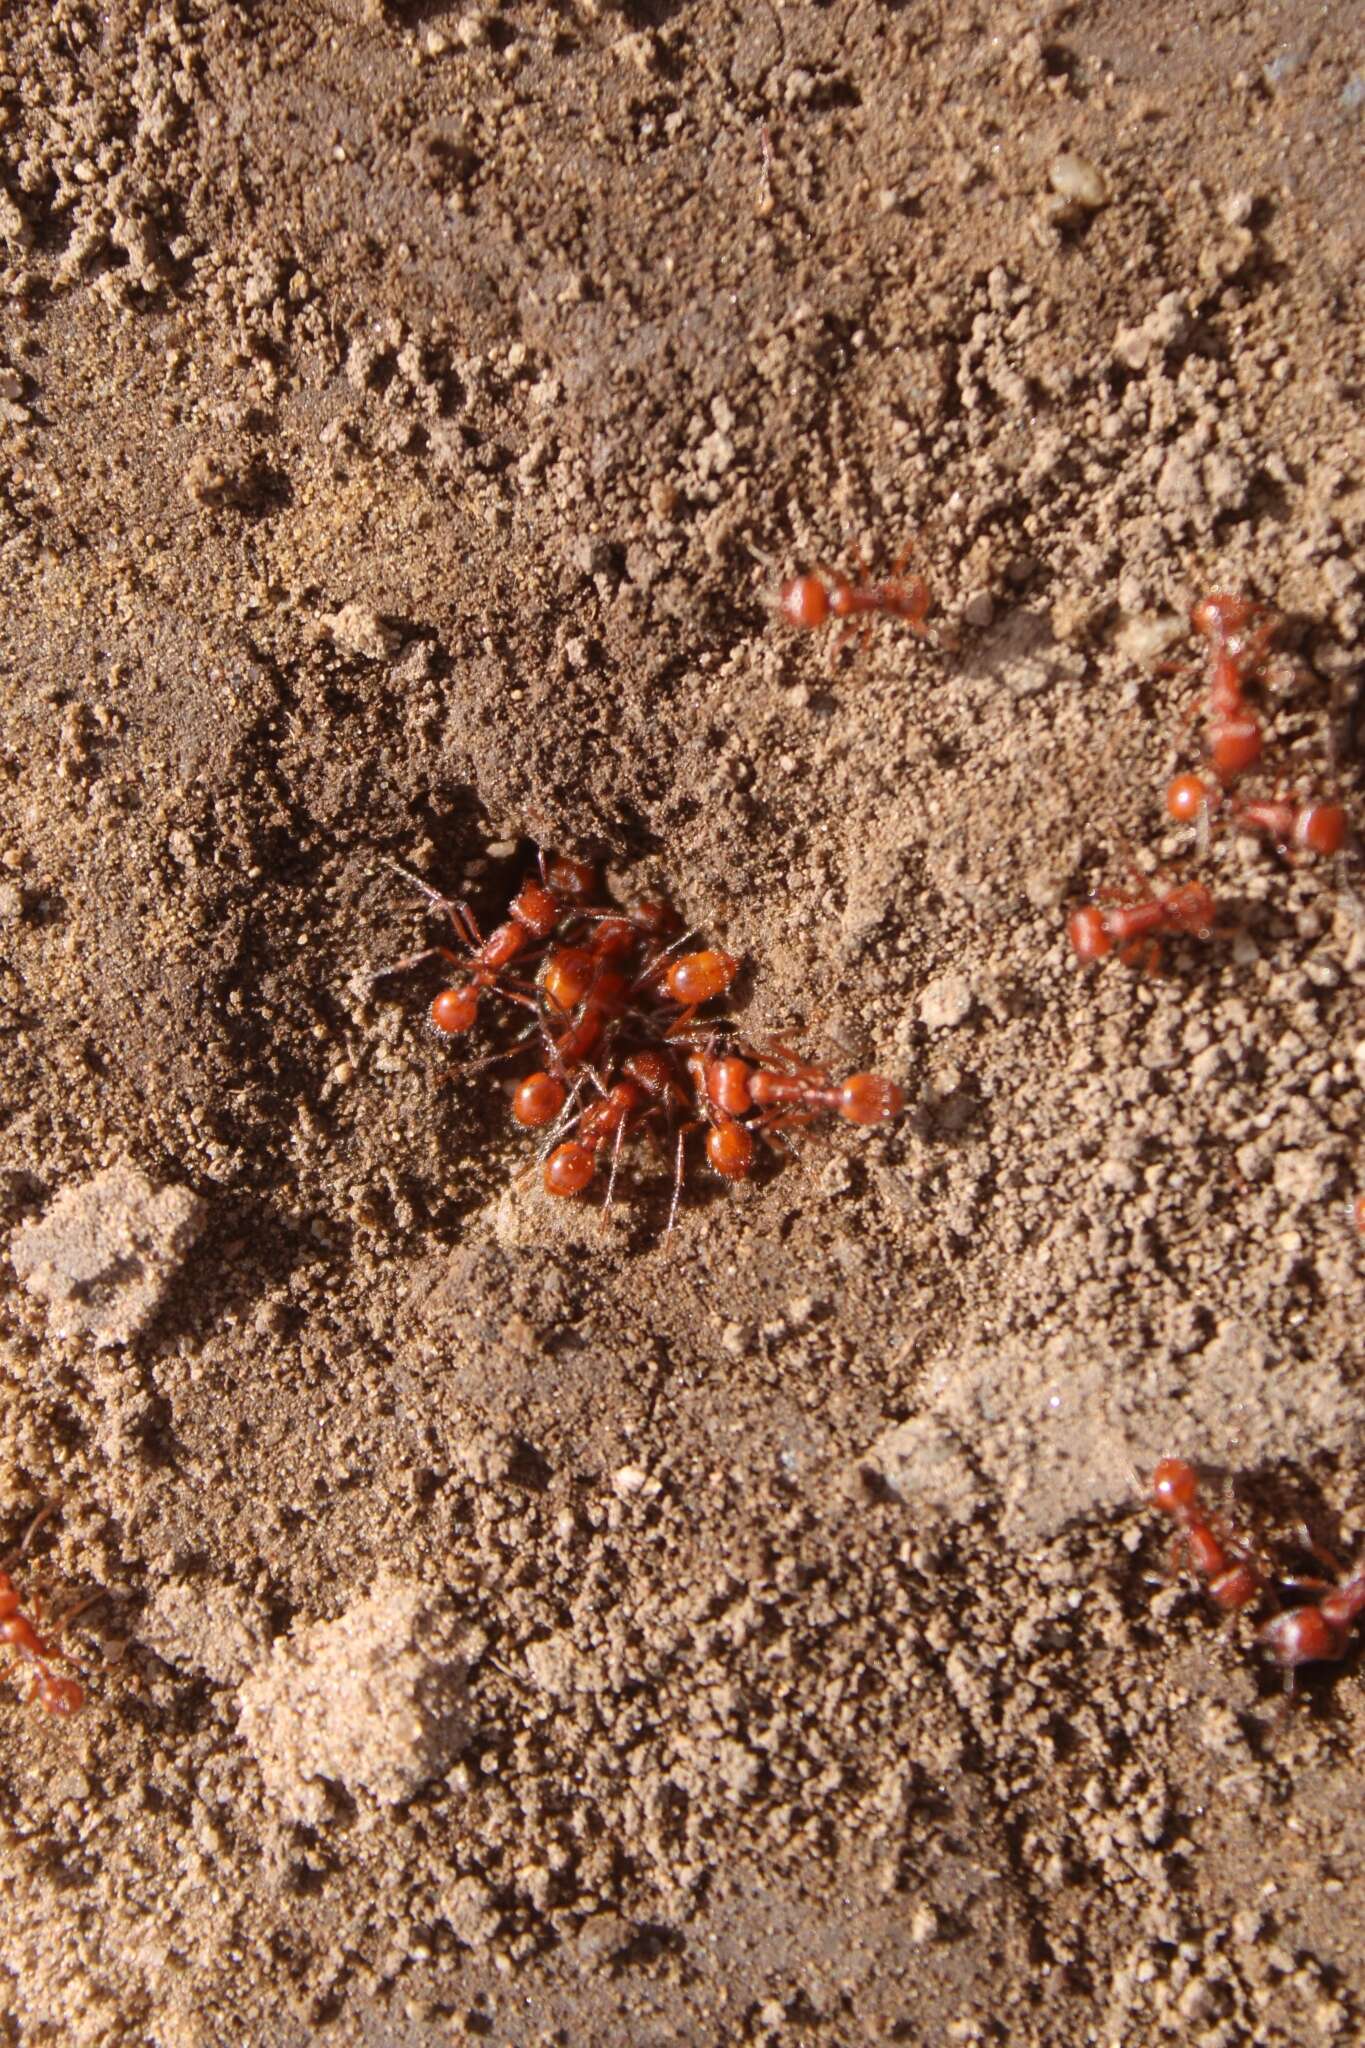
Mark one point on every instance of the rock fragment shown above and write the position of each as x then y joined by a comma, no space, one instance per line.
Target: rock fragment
375,1701
210,1628
924,1465
358,629
104,1255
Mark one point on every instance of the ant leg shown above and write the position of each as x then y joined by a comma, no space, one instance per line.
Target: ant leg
63,1621
43,1515
678,1165
1326,1558
411,960
466,925
617,1143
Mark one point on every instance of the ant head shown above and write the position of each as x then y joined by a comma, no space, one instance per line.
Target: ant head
576,879
59,1695
1175,1486
1219,614
696,977
868,1099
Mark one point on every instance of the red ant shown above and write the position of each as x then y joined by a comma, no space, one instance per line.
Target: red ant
1232,1578
734,1086
1134,927
571,1165
807,601
1239,632
1316,1634
534,912
1311,827
17,1631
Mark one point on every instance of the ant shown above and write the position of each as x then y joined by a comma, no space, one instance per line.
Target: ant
1309,828
1134,927
572,1164
1319,1633
735,1085
19,1632
1239,632
534,913
1232,1578
808,600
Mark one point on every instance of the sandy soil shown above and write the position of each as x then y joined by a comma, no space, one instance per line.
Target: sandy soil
516,1626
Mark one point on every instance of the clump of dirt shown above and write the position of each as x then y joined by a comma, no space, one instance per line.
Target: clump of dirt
408,416
375,1701
103,1257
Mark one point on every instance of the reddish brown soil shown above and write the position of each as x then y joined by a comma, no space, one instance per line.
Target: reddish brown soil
407,417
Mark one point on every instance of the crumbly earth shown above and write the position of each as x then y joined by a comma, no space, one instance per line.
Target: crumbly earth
407,414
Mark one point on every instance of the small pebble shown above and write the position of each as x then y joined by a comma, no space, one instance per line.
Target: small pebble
945,1001
1076,179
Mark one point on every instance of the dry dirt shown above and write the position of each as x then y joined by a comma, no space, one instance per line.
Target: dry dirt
515,1625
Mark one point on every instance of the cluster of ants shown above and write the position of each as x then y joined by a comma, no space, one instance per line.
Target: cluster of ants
1240,633
612,1007
1236,1580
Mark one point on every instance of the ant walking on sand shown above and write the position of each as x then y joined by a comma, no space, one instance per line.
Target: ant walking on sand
1318,1632
1311,827
1136,926
1231,1576
1239,632
807,601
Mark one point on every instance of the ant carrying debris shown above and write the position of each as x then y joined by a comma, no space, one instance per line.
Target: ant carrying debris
620,1044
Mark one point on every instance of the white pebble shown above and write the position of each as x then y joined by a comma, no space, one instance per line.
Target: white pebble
1077,179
